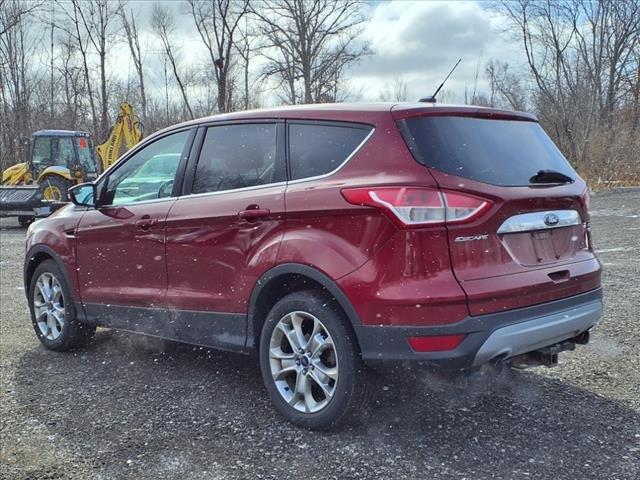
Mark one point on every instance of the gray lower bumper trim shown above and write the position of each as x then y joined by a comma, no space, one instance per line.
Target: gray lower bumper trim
539,332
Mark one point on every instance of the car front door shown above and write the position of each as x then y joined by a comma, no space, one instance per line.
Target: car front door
121,245
225,234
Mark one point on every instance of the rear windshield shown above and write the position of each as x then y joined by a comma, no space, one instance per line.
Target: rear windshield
499,152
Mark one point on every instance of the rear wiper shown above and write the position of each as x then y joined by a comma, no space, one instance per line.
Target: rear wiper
550,176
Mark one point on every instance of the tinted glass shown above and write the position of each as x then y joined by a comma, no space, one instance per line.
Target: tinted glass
319,149
499,152
237,156
148,174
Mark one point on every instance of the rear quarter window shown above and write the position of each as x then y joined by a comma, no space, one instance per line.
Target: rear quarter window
499,152
318,149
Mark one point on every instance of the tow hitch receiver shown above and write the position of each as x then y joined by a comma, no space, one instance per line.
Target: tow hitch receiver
547,356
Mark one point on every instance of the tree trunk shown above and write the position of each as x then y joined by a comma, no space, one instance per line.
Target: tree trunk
104,120
246,80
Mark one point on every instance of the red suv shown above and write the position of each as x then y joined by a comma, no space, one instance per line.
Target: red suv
327,238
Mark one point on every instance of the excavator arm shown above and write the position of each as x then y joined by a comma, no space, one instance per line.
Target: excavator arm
127,131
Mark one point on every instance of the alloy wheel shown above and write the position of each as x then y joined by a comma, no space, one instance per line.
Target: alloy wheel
49,306
303,362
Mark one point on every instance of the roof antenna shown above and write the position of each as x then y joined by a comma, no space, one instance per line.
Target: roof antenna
432,98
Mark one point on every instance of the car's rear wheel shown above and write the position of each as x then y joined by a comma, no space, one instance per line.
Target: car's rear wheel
310,362
53,313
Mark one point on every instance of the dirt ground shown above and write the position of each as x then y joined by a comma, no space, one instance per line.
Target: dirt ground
132,407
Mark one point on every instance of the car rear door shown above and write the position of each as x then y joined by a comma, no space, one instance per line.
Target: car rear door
121,245
224,233
532,245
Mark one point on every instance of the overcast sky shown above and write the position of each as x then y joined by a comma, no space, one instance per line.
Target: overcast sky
419,41
416,41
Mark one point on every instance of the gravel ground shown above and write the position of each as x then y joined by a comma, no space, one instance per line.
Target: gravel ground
131,407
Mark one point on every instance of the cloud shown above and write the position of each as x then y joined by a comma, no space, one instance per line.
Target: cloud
420,41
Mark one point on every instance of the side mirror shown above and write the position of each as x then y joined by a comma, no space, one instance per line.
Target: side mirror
84,195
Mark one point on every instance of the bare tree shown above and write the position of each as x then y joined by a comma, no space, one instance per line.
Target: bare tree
609,49
395,92
248,45
17,45
73,85
634,88
579,54
75,30
310,44
506,88
97,17
582,60
14,12
133,40
164,27
217,22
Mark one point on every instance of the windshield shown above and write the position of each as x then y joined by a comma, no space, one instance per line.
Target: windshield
499,152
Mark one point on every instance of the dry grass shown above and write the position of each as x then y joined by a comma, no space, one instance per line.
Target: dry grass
613,159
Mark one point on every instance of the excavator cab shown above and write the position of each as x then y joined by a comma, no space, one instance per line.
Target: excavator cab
68,154
59,159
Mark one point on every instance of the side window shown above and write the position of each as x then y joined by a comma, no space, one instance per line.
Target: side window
65,153
237,156
42,152
85,154
320,149
148,174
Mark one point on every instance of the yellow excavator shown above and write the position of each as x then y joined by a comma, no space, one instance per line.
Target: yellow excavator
60,159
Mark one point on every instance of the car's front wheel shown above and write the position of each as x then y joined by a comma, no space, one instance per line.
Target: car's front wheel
53,313
310,361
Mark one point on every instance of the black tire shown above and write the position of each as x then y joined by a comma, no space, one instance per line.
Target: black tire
354,378
55,182
73,333
25,221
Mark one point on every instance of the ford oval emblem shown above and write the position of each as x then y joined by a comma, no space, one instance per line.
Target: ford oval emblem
551,220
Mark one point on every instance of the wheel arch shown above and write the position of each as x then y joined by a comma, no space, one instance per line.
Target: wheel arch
55,171
267,291
34,257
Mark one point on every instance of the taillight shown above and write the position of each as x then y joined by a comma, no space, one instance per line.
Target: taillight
414,206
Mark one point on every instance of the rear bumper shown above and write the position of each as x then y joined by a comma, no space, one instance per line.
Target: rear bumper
488,337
